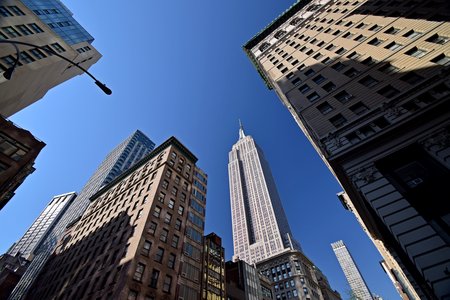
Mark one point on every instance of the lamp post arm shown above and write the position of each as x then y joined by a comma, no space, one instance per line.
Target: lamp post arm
101,85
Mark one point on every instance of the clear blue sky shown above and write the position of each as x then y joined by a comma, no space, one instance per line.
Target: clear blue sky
177,68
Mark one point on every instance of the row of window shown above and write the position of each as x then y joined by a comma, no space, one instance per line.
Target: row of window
139,275
11,11
49,11
19,30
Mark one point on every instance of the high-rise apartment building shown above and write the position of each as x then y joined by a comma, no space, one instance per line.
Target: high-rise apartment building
260,226
48,24
140,238
368,84
18,151
124,156
44,223
213,269
357,284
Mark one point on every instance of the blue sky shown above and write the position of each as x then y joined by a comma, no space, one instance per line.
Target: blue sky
177,68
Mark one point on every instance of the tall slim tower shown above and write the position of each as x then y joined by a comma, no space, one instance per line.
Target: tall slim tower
44,223
119,160
355,280
260,226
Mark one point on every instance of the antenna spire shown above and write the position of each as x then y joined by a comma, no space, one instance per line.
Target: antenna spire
241,130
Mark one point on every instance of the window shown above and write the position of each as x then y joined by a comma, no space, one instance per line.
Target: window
139,272
165,184
168,218
330,47
338,120
180,210
412,78
325,108
146,248
58,47
164,235
338,66
310,72
37,53
132,295
193,234
369,61
388,91
152,228
360,38
167,284
442,60
318,56
343,96
394,46
412,34
437,39
11,32
313,96
375,28
4,12
17,11
159,254
178,224
341,50
358,108
26,58
171,203
416,52
330,86
388,69
154,278
296,81
375,42
392,30
327,61
161,197
171,261
304,88
368,81
174,191
353,55
319,79
175,240
157,211
24,29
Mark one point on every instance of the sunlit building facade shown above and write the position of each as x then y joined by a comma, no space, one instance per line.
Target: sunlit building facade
125,155
140,238
213,269
48,24
368,84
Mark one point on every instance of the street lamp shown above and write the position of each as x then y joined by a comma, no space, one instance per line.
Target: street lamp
8,73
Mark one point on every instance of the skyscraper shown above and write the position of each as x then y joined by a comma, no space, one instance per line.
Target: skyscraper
357,284
368,84
127,153
45,23
140,238
213,268
260,226
44,223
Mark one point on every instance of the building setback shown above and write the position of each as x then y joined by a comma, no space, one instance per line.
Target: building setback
213,269
48,24
368,84
18,151
127,153
141,236
41,226
359,288
260,226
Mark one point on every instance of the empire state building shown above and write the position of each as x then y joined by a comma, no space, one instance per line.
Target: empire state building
260,226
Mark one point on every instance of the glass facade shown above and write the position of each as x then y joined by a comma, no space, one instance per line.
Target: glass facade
59,18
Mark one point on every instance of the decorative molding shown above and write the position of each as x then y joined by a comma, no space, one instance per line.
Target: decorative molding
367,174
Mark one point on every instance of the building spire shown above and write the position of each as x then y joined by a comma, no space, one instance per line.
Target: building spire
241,130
